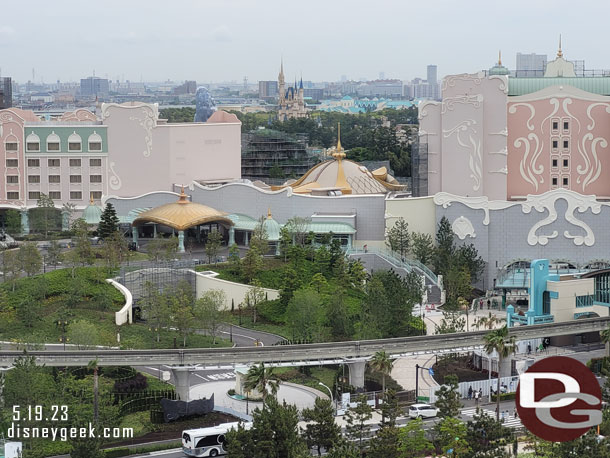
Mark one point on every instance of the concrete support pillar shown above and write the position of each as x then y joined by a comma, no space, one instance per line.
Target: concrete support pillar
182,386
25,222
231,236
65,221
349,242
277,248
356,373
246,238
180,241
510,310
505,367
134,235
154,230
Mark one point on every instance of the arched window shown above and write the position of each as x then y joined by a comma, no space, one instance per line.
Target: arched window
74,143
53,142
95,142
32,143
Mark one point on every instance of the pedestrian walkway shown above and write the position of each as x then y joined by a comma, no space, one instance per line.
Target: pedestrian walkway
403,372
510,421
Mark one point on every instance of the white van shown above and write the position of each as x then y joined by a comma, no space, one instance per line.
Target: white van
422,410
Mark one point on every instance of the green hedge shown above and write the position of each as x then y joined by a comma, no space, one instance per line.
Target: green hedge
504,397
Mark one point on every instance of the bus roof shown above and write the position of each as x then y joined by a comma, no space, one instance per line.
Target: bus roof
218,429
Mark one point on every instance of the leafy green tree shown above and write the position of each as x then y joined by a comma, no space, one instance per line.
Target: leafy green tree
322,432
13,222
318,282
448,397
356,273
11,267
261,379
212,245
93,365
422,247
451,437
412,439
115,250
54,255
500,341
387,440
322,260
251,263
486,436
274,434
82,252
254,296
452,322
181,301
208,309
156,307
344,449
29,310
445,247
109,222
45,217
398,238
356,427
468,257
83,334
382,363
29,259
291,281
338,316
305,315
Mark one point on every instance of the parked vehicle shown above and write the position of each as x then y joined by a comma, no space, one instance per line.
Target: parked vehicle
422,410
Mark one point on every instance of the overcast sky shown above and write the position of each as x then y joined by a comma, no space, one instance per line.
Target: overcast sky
222,40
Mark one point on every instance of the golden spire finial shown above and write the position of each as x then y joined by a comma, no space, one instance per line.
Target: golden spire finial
559,51
339,153
183,197
269,213
499,58
91,199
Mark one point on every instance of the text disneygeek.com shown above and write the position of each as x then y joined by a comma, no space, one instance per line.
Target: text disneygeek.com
65,433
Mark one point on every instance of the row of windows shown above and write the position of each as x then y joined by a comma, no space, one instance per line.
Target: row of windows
555,162
33,179
34,147
55,195
555,125
56,162
566,144
565,181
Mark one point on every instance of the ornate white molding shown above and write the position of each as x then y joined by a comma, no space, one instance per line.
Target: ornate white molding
445,200
114,181
503,152
449,81
449,103
503,86
502,132
422,108
503,170
472,145
462,227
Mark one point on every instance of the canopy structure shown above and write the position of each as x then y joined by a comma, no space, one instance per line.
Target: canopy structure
182,215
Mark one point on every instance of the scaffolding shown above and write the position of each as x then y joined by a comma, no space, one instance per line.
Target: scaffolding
419,168
164,275
265,149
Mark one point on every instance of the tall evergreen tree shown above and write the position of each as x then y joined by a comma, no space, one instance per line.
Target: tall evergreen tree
109,222
444,246
322,432
398,239
448,401
356,428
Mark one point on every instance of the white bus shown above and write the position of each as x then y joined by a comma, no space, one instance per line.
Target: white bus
208,441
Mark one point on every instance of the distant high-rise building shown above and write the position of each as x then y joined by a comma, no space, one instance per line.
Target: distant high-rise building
189,87
267,90
428,89
530,65
6,92
432,74
381,75
94,86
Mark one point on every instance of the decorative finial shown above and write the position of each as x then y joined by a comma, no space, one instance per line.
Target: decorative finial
339,153
183,197
269,213
499,58
91,199
559,52
282,65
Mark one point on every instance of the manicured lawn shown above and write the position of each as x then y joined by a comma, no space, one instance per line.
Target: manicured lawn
324,374
260,325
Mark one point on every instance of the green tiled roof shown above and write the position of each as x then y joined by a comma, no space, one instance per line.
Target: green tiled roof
521,86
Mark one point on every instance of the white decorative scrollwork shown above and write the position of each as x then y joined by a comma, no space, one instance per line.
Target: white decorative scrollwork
503,132
529,171
114,181
462,227
448,103
503,170
513,109
147,123
445,200
503,152
449,81
473,145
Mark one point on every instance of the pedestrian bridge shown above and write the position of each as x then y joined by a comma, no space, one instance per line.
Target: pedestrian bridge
298,355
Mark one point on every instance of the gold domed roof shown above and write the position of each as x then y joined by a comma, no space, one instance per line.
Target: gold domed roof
182,214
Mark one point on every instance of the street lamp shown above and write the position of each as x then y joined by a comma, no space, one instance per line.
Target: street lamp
329,392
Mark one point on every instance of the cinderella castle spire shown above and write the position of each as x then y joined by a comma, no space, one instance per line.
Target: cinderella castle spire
291,100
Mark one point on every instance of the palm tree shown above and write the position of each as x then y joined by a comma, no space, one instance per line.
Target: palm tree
605,335
93,365
381,362
489,321
500,341
259,378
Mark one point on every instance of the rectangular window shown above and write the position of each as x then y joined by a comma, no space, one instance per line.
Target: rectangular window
73,146
53,146
33,162
555,125
55,195
555,143
74,162
12,195
95,162
554,162
76,195
97,195
566,144
12,162
34,195
33,146
554,181
95,178
54,162
546,303
566,125
33,179
54,179
95,146
565,162
565,181
12,179
11,146
76,179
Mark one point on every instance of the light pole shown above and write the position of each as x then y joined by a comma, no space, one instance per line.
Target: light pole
329,392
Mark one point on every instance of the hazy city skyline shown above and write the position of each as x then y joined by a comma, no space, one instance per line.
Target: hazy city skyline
223,40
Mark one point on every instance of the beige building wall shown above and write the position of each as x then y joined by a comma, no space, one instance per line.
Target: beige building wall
564,308
418,212
236,292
